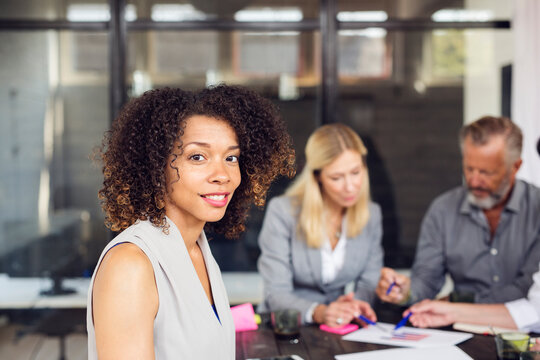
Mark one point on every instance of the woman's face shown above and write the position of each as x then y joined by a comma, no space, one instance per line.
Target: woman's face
341,180
208,172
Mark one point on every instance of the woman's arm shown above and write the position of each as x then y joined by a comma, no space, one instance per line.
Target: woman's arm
367,283
434,313
125,303
275,263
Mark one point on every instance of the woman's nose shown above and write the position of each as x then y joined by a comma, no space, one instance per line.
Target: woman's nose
349,184
219,173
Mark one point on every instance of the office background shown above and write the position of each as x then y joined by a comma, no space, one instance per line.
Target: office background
404,74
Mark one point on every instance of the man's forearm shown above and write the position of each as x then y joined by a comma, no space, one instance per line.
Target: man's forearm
484,314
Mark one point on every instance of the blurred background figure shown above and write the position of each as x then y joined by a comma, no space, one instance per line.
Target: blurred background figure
324,234
523,314
483,234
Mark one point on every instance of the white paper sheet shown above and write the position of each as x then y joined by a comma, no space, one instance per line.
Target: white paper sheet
407,336
439,353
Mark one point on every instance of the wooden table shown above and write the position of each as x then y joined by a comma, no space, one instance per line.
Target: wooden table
315,344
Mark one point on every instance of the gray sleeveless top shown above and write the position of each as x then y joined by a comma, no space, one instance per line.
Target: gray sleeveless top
185,326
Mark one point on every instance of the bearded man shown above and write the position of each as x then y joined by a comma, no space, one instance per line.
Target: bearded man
484,234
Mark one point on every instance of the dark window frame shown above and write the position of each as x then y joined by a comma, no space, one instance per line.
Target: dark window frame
118,28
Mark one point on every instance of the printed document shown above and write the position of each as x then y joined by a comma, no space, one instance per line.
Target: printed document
406,336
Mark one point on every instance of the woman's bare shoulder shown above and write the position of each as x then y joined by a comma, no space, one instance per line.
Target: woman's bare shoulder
124,304
125,258
125,271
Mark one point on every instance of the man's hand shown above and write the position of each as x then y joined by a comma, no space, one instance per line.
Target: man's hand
432,313
399,291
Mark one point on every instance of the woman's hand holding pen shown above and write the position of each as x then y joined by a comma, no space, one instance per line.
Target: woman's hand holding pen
343,311
393,287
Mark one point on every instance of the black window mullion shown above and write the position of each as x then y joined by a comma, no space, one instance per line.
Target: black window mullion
40,25
423,25
224,25
117,56
329,81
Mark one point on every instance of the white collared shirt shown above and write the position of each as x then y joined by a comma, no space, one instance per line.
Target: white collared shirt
526,311
332,260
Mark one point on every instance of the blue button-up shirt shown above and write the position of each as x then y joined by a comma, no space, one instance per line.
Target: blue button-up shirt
455,238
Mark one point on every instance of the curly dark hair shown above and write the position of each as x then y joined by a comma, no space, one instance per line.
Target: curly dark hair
136,149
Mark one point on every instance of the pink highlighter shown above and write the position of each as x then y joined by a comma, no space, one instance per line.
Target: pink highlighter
342,330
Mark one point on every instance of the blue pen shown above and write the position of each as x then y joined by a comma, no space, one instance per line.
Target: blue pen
390,287
403,321
365,319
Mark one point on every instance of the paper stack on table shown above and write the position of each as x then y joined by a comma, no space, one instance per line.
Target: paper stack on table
440,353
480,329
407,336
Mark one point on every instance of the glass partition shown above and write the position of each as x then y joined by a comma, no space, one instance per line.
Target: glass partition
405,86
410,119
54,88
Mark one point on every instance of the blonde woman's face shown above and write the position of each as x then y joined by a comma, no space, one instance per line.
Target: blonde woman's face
341,180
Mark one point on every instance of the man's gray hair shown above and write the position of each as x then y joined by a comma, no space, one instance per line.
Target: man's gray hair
483,129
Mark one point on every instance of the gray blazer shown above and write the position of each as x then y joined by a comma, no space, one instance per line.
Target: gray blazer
292,271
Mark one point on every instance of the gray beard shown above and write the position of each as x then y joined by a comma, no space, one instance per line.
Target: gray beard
492,199
485,204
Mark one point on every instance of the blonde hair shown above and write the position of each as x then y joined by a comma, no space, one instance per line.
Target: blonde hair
322,148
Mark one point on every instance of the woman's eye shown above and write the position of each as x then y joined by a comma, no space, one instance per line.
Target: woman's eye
232,158
196,157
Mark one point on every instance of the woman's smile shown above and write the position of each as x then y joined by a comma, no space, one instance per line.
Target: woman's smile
216,199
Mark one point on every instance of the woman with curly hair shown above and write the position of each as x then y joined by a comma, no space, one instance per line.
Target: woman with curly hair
171,163
324,235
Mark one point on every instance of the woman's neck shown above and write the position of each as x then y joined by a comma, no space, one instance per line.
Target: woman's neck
333,221
190,231
333,210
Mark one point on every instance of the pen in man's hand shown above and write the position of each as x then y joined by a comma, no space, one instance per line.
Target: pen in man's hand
390,287
365,319
403,321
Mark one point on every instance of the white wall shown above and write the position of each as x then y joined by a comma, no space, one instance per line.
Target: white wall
488,51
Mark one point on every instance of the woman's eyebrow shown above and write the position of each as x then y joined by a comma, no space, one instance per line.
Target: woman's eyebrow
207,145
343,172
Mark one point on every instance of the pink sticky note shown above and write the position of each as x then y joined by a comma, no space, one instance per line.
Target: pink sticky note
342,330
244,317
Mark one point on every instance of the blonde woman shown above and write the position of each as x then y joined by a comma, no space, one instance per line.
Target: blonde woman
321,242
